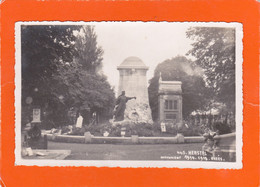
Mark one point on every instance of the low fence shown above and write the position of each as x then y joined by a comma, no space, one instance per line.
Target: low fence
134,139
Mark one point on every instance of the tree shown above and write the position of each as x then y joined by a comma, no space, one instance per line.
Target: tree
194,91
97,93
89,53
45,48
214,50
61,63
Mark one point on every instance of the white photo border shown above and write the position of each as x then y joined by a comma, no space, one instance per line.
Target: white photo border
133,164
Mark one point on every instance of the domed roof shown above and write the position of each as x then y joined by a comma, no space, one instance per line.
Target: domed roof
132,62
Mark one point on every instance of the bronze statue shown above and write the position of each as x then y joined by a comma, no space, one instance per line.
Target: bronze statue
120,106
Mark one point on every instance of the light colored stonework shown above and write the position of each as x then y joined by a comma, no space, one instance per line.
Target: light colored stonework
133,81
170,101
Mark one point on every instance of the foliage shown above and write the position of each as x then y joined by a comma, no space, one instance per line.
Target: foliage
114,131
89,53
87,87
98,94
142,130
61,68
44,49
132,129
221,128
214,50
88,90
191,130
194,91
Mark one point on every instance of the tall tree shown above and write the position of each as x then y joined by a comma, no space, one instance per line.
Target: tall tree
96,93
194,91
90,55
45,48
214,50
58,67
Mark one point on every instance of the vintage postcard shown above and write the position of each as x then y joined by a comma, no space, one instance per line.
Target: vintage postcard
129,94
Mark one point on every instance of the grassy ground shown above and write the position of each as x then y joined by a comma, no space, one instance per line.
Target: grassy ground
126,152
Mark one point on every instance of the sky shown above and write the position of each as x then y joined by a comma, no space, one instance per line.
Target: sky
152,42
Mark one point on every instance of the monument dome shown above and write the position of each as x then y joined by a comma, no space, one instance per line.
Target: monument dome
132,62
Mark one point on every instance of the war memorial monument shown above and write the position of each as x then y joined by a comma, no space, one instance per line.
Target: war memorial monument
133,83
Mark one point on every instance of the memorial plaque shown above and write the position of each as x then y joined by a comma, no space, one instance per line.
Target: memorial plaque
36,115
163,127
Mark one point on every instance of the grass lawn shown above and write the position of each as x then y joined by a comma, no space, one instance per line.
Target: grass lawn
128,152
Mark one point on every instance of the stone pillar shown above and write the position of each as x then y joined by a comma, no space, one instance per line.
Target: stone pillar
88,137
134,139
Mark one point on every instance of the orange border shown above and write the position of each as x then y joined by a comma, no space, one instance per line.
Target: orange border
243,11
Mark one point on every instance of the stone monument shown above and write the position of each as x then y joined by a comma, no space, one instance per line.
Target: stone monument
170,101
133,81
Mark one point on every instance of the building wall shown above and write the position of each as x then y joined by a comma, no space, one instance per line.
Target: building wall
167,109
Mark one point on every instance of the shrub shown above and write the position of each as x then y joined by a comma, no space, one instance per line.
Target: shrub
191,130
144,130
65,129
115,131
221,128
78,131
172,129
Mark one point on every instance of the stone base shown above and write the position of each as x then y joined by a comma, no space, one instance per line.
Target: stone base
127,122
135,114
139,113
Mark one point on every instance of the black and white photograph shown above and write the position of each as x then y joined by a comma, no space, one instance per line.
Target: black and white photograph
129,94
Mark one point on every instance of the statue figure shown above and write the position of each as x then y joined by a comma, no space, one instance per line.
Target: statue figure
120,106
